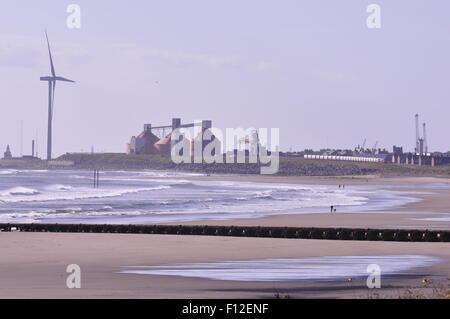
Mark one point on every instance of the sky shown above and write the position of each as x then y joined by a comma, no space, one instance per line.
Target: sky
311,68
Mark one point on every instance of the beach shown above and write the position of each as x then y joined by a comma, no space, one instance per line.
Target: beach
34,265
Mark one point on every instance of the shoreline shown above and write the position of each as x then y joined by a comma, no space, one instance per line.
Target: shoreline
431,209
434,203
321,180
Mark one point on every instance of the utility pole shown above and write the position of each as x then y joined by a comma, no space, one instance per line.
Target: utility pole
96,178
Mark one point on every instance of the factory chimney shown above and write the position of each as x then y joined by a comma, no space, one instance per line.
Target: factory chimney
425,140
176,123
417,135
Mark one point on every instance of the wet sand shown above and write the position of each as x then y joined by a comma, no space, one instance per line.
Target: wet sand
33,265
325,180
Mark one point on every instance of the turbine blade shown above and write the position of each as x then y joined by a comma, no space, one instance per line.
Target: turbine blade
50,55
60,78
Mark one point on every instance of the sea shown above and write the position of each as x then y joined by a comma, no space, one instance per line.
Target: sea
138,197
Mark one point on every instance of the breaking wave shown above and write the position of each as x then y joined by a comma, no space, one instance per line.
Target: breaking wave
9,172
59,187
24,194
19,191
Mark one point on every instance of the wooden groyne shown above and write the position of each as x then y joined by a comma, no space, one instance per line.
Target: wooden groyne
403,235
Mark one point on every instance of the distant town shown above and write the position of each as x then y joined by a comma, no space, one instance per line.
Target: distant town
155,142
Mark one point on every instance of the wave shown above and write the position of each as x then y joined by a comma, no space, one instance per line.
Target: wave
74,194
28,217
34,171
9,172
168,174
67,210
17,191
79,177
72,210
264,194
59,187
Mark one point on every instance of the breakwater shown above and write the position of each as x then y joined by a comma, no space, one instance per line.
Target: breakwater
403,235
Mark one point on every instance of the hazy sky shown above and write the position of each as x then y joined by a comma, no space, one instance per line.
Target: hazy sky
310,67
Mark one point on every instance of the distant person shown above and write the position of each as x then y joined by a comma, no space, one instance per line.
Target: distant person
332,208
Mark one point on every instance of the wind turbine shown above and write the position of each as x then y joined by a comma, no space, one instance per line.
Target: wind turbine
51,98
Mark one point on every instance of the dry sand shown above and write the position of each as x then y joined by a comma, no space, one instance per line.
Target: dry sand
33,265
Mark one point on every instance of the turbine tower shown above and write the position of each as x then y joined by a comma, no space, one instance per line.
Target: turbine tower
51,97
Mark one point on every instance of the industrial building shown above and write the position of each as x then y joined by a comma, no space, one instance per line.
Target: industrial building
144,143
421,142
7,154
420,156
153,140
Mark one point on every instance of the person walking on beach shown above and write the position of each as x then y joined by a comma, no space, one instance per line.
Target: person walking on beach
332,208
